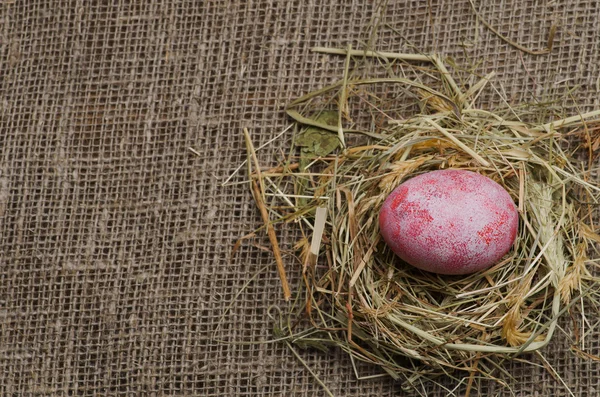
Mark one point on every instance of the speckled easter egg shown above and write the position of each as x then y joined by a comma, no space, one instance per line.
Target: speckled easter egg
449,221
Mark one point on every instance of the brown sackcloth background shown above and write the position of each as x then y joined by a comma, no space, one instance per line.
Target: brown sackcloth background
115,237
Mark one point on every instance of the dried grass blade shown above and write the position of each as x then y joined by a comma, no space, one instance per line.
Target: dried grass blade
509,41
375,54
363,262
458,143
258,194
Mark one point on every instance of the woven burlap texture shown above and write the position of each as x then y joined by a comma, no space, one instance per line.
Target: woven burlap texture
115,237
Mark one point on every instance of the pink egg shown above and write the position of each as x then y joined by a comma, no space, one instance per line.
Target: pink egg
449,221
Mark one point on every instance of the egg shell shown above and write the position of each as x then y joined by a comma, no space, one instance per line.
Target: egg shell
449,221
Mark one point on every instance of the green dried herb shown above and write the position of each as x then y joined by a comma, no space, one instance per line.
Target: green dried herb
315,142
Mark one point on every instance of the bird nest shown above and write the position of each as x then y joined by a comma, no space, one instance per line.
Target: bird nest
353,145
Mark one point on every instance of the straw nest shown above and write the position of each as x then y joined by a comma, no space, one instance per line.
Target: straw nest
356,294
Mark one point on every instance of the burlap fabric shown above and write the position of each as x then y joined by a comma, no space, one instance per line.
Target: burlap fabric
115,238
